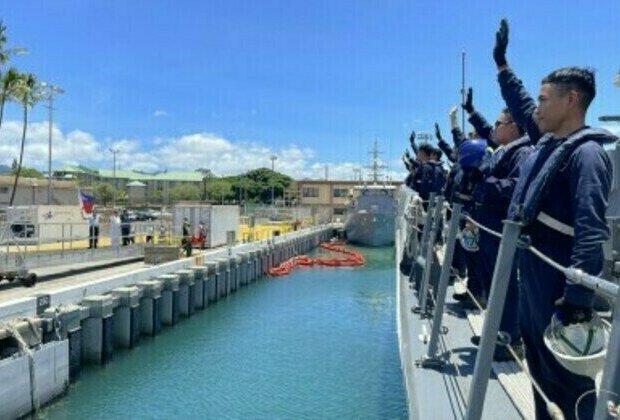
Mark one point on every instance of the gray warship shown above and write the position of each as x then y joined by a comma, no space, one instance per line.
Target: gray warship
372,213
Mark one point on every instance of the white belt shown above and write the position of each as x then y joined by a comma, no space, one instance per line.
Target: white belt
555,224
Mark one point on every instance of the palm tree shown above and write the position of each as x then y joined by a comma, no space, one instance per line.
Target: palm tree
27,94
9,84
4,55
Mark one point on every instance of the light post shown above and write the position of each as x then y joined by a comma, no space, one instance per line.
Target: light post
49,91
273,159
114,151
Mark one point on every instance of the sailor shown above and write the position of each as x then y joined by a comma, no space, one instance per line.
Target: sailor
492,198
561,198
459,266
471,155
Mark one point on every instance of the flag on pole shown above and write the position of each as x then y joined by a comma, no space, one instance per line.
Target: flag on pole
87,201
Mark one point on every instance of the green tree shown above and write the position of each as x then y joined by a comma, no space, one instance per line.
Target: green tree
104,192
185,192
27,95
220,190
28,173
9,85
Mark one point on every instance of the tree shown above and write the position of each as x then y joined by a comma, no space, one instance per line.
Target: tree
104,193
28,172
220,190
185,192
206,176
9,85
27,95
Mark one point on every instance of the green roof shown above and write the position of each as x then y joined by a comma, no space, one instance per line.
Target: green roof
192,176
136,184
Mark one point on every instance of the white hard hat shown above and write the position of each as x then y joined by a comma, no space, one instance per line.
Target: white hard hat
580,348
469,239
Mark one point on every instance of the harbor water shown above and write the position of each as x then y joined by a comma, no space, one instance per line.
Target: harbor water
319,343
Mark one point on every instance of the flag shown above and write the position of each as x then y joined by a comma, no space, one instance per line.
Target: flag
87,202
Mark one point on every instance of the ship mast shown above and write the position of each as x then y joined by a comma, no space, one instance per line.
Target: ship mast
375,167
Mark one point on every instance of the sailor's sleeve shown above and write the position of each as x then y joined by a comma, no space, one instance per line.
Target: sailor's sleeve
521,105
482,127
590,183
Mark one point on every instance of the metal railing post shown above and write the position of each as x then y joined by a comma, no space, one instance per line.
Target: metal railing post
421,249
610,384
443,284
430,248
488,338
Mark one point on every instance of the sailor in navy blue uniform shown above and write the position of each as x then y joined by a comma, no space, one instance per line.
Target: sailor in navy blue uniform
492,198
561,199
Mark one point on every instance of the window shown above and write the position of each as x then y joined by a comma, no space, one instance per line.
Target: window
4,190
340,192
309,192
340,211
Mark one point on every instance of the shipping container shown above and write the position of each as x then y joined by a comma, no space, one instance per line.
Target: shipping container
221,222
43,223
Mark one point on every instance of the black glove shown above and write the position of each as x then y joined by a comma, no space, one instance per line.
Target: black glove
407,155
567,313
501,43
412,139
438,132
468,106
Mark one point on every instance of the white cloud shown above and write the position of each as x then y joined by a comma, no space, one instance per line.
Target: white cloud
160,113
184,153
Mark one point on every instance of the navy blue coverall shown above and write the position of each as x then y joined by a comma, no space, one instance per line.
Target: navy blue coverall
492,197
576,196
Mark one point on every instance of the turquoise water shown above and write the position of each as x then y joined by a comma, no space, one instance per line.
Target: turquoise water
320,343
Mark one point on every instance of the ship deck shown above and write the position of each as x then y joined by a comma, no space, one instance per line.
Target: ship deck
442,393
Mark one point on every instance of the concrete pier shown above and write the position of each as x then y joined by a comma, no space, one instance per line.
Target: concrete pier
186,292
150,319
169,309
86,320
211,285
127,316
200,298
98,329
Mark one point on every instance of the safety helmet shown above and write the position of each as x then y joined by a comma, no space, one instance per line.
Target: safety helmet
581,347
472,153
469,239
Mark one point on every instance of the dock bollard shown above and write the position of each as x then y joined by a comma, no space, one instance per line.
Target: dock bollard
221,277
169,309
259,263
97,329
243,268
211,283
199,285
186,292
127,317
150,303
70,317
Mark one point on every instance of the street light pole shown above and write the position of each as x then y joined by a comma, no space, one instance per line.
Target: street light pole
114,151
273,159
49,91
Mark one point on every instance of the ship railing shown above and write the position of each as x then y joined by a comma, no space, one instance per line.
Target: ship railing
421,252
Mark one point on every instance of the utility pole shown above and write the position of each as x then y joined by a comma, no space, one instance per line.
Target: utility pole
49,91
114,151
463,90
326,172
273,159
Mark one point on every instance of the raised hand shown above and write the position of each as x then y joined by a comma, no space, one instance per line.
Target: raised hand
454,122
438,132
468,105
501,43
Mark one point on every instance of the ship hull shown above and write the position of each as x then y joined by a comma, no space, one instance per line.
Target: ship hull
370,229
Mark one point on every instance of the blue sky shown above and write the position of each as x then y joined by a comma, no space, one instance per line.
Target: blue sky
185,84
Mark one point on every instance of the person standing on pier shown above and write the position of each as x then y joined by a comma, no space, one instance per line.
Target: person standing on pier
94,221
115,230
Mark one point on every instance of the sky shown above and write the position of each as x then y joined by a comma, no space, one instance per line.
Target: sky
224,85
